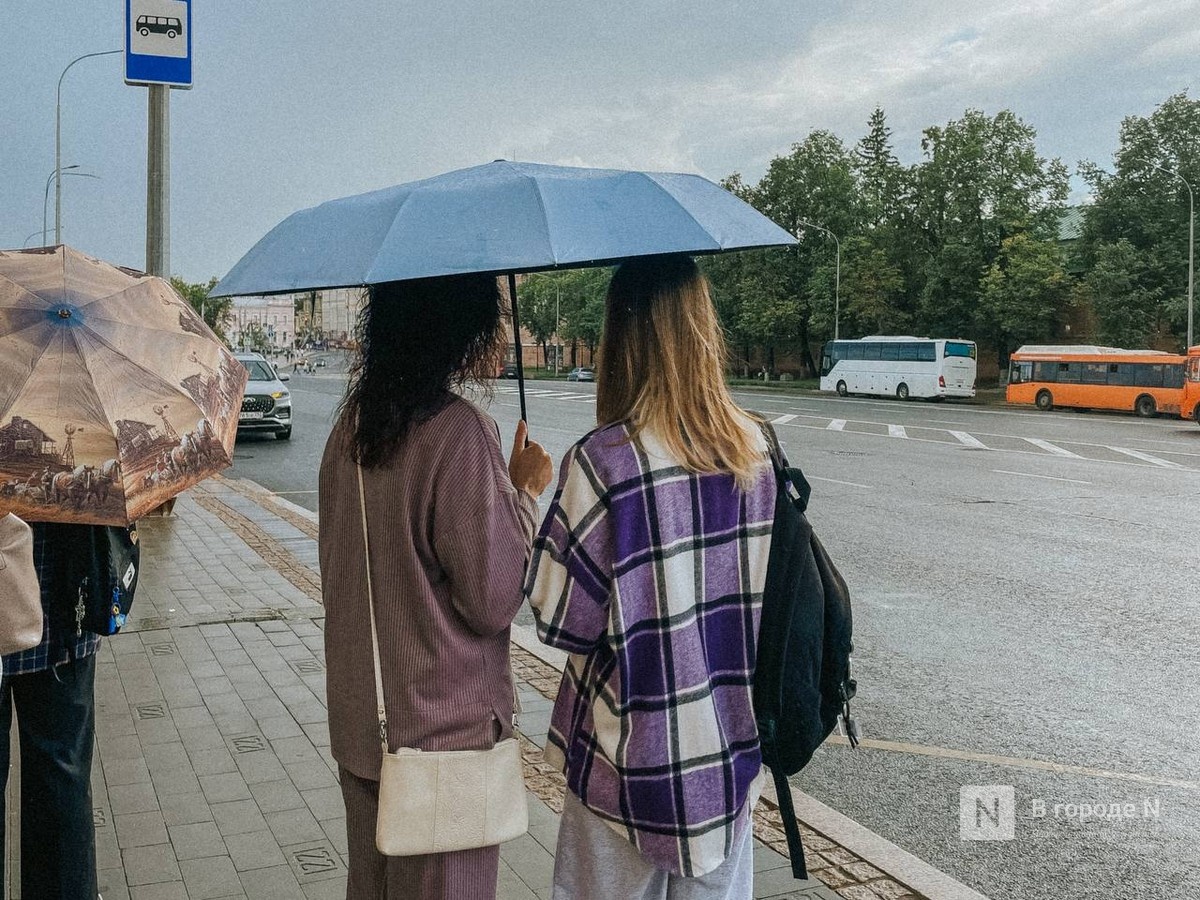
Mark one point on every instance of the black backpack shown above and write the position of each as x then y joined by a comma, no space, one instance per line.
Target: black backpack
92,576
802,681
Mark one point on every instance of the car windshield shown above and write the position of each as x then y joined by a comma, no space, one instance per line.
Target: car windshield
259,371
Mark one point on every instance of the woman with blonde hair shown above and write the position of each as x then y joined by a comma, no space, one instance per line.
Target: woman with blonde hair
649,570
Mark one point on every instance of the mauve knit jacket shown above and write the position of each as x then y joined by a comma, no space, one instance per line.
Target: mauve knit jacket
450,538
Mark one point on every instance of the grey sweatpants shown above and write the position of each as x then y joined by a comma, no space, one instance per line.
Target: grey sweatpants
592,861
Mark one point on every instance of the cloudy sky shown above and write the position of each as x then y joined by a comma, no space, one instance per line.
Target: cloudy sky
301,102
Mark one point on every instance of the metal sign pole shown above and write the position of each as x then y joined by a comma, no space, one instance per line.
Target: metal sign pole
158,181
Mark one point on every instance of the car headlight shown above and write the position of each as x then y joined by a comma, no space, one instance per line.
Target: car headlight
280,394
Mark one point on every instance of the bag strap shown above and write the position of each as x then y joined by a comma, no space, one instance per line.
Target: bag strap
784,476
381,708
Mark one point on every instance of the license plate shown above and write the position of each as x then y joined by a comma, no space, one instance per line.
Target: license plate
249,415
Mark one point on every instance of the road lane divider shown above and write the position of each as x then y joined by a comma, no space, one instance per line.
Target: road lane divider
1052,448
897,431
968,440
1015,762
1146,457
836,425
835,481
1033,475
782,420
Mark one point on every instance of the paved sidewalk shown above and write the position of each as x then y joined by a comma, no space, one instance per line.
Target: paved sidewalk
213,776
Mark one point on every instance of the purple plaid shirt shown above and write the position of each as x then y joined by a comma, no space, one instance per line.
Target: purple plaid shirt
651,578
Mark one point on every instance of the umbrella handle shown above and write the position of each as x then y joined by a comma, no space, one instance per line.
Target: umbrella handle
512,295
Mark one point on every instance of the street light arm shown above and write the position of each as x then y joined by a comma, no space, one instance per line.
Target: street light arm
58,140
837,276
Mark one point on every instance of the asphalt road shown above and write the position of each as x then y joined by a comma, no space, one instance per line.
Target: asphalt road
1026,591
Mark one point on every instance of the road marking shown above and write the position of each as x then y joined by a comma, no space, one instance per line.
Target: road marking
836,425
835,481
1052,448
783,420
1146,457
897,431
1032,475
969,440
1016,762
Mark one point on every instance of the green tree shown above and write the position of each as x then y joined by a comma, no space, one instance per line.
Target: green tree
1025,293
539,295
1127,313
582,306
1136,232
214,310
982,182
254,337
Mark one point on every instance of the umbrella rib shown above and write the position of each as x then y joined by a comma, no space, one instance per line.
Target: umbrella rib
537,189
367,281
25,381
24,290
674,200
133,362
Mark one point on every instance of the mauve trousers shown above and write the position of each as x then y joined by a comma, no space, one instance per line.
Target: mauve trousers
462,875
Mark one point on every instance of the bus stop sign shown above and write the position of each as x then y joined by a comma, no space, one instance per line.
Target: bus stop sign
158,42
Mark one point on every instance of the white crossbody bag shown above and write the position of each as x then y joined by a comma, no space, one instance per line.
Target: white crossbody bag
439,801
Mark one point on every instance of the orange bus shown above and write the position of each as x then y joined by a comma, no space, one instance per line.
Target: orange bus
1145,382
1189,405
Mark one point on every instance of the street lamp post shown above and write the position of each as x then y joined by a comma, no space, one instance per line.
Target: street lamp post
1191,246
65,170
837,275
58,141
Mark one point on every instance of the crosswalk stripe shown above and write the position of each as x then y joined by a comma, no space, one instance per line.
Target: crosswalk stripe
836,425
897,431
1051,448
1146,457
968,439
782,420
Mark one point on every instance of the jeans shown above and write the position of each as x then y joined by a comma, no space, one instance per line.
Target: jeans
56,721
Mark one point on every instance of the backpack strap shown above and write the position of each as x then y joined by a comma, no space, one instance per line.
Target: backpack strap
789,478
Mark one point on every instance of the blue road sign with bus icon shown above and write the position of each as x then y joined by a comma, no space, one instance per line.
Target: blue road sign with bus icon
158,42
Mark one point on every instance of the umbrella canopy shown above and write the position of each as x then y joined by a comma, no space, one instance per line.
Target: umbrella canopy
501,217
114,394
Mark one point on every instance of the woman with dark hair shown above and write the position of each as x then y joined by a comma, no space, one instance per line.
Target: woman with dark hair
649,572
450,531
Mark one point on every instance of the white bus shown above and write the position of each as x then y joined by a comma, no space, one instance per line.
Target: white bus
899,367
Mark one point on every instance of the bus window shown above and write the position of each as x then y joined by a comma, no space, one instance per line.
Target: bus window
1069,372
1045,371
1095,373
872,351
826,364
1147,375
891,352
955,348
1173,376
1019,372
1121,374
927,352
908,352
856,351
1193,369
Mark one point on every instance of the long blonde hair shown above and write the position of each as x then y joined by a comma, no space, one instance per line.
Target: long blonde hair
662,368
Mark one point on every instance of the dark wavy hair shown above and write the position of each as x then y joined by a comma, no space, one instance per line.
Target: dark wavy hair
417,341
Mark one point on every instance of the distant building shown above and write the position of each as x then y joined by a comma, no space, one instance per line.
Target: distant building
275,316
1070,230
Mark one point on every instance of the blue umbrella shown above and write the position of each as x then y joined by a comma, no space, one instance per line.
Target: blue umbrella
502,217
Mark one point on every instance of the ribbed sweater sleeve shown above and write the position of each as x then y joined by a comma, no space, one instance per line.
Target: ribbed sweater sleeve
483,527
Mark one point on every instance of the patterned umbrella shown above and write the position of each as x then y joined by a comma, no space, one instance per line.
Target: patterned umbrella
114,394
